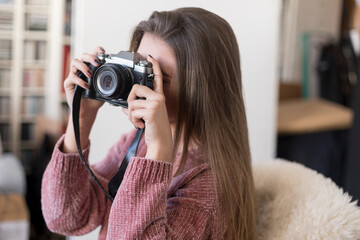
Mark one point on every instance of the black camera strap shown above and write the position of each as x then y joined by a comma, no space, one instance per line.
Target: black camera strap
115,182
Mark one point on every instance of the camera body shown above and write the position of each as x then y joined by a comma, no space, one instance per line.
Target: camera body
113,79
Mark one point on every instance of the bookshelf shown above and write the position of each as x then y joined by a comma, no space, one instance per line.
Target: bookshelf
33,37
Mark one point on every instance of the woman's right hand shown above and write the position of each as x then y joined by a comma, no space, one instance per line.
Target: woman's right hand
88,106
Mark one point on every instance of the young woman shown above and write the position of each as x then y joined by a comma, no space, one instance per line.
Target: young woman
192,177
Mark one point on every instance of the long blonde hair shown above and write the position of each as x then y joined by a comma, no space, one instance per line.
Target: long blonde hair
210,105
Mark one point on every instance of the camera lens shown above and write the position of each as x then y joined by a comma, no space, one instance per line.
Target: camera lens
113,81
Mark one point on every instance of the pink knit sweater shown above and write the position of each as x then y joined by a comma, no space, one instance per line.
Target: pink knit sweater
150,204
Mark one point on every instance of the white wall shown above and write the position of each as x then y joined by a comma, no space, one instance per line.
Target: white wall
256,23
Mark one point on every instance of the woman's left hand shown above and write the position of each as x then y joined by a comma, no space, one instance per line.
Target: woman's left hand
153,111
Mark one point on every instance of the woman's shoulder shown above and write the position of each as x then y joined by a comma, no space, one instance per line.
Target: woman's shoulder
194,186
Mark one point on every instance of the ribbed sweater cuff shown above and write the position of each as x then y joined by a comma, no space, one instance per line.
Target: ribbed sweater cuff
68,160
146,171
149,169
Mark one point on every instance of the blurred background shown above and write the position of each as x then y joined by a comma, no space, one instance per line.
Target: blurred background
300,71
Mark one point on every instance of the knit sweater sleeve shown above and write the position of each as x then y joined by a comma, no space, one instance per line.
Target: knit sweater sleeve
72,204
142,208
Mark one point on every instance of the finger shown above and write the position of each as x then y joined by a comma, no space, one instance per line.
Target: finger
143,104
98,50
137,116
138,103
158,78
90,59
75,80
142,92
76,65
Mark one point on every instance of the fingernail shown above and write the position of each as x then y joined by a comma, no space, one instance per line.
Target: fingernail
87,86
89,74
150,56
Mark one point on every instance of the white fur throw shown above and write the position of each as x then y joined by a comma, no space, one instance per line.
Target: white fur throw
295,202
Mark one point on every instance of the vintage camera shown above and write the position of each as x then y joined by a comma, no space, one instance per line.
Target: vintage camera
113,79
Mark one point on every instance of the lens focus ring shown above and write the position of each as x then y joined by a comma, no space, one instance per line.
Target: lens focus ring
113,81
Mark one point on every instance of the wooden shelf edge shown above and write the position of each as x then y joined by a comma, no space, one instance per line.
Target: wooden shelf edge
306,116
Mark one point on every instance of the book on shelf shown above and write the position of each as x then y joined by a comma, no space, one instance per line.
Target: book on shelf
36,22
5,76
67,18
35,50
5,49
1,146
33,105
5,107
33,78
6,2
37,2
312,44
6,21
66,65
5,132
27,131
